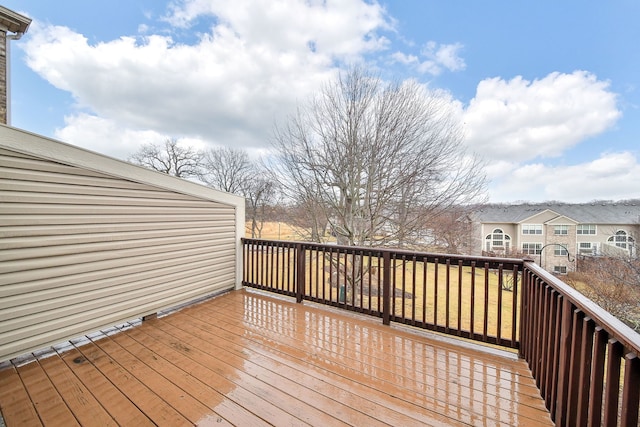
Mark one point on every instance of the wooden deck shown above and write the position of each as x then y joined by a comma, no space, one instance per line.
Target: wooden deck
250,359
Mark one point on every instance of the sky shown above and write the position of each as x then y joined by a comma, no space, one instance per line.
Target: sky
548,91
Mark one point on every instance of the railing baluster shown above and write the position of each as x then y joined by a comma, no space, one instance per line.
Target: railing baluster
435,291
369,268
557,334
413,290
394,284
380,284
361,278
630,391
315,286
514,307
404,284
485,311
537,320
459,297
586,353
354,282
499,307
560,415
525,345
473,299
612,388
300,269
424,291
544,355
574,369
447,294
597,377
386,285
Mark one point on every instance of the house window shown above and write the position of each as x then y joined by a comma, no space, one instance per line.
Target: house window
560,269
531,248
560,251
586,248
621,239
497,240
531,228
586,229
560,230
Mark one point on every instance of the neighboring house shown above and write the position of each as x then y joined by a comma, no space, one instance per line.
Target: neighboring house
554,233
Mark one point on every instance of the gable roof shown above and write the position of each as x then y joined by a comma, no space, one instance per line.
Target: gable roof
625,212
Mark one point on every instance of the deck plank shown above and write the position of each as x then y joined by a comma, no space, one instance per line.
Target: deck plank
77,396
111,399
179,375
243,397
15,402
51,408
189,407
248,358
142,395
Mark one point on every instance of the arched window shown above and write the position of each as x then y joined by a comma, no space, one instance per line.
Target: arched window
621,239
497,241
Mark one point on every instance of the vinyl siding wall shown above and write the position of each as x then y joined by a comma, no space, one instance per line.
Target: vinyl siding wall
80,250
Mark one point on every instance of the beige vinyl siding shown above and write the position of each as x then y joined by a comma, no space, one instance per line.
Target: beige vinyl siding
82,249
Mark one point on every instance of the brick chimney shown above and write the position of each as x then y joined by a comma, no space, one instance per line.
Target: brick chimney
10,22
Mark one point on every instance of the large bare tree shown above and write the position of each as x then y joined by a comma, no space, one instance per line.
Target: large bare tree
170,158
375,159
228,169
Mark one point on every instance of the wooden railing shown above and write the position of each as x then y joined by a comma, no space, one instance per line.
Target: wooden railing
469,297
584,360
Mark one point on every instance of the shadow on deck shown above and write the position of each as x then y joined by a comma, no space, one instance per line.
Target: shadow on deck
246,358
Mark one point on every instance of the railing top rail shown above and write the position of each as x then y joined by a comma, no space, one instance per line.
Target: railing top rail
376,250
616,328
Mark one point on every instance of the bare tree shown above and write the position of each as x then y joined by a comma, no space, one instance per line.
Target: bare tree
451,230
259,194
613,283
228,169
232,170
375,159
169,158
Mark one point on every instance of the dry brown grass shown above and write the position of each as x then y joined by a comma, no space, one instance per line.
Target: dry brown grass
276,231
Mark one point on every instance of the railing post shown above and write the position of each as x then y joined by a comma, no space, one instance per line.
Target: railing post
300,270
386,287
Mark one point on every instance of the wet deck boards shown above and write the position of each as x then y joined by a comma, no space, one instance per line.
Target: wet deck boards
250,359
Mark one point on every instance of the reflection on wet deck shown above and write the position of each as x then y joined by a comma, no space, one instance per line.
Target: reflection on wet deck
246,358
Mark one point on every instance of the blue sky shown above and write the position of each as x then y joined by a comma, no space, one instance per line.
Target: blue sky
549,92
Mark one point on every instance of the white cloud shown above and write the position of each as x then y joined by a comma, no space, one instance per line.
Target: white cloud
612,176
252,67
105,136
519,120
437,58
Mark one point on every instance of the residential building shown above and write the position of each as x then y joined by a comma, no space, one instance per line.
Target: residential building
555,234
